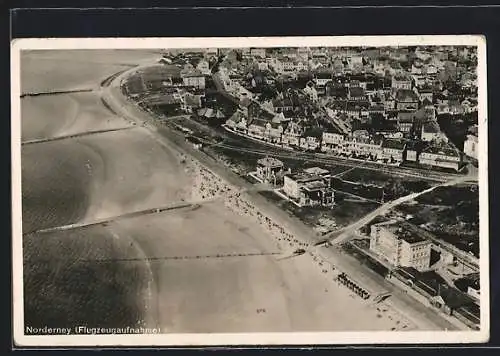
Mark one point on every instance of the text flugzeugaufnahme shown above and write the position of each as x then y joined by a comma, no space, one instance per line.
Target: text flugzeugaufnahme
85,330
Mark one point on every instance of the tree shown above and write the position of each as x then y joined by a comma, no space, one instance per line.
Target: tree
365,229
268,92
394,189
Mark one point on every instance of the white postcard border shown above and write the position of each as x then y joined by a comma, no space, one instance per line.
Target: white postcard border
289,338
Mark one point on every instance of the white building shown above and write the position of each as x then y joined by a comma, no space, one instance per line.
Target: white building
401,82
474,292
291,134
438,156
258,52
277,65
331,142
393,150
309,143
431,69
355,62
400,247
302,66
303,53
273,131
289,65
309,189
471,146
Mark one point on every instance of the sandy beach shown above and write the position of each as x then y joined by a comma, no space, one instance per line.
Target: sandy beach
132,173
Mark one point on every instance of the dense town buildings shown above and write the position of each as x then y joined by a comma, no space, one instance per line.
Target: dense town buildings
322,99
380,105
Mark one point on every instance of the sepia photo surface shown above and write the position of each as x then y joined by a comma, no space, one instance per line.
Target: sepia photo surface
250,191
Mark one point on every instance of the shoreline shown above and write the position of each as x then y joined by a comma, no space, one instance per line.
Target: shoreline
238,201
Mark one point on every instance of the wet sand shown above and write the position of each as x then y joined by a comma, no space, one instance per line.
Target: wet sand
188,270
65,114
51,70
55,184
132,173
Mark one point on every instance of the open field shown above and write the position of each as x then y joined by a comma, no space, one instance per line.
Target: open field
344,212
368,176
450,213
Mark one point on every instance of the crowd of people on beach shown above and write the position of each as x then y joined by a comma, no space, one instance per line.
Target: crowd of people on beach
207,185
